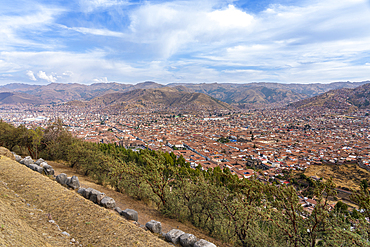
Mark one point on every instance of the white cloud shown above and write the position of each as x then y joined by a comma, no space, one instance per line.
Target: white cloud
231,18
189,41
91,5
177,27
101,80
34,22
95,31
31,76
42,75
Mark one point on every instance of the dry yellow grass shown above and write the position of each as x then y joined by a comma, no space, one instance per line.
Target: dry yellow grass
86,222
348,175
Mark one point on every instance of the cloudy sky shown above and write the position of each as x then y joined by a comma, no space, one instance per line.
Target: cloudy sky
89,41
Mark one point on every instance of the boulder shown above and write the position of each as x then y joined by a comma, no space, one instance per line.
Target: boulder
62,178
73,182
35,168
39,161
17,157
81,191
48,169
5,152
173,236
96,196
154,226
187,240
27,160
87,193
118,210
204,243
108,202
130,214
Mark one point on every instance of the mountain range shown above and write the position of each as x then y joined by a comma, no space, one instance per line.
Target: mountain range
260,94
344,98
174,97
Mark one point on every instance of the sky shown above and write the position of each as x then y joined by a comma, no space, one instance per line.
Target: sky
185,41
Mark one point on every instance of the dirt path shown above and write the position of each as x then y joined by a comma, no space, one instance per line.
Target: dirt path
146,213
28,200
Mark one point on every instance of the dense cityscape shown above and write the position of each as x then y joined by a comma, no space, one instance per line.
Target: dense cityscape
278,140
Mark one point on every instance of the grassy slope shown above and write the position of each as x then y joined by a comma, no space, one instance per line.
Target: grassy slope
348,175
85,221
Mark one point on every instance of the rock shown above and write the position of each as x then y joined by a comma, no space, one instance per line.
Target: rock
154,226
96,196
39,161
130,214
204,243
27,161
187,240
73,182
48,169
5,152
108,202
81,191
35,168
17,157
118,210
62,178
174,235
87,193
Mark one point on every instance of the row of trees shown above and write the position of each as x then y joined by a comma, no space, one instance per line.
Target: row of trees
240,212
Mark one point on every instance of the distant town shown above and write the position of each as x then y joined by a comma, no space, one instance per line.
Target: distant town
275,140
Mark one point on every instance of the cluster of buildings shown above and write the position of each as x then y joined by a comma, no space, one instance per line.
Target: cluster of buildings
251,142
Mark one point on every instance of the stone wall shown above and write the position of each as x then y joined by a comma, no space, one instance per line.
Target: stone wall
174,236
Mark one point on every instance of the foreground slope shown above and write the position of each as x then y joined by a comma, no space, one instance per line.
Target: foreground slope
86,222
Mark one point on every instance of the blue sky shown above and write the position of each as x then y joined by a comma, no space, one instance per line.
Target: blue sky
90,41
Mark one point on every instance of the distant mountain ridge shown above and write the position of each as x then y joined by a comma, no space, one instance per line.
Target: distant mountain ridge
344,98
175,97
252,94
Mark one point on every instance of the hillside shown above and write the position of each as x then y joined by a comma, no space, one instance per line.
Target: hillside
347,175
261,93
61,92
28,200
264,92
9,98
339,99
176,97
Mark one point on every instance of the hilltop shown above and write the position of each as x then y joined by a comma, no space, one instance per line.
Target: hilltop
177,97
10,98
344,98
241,95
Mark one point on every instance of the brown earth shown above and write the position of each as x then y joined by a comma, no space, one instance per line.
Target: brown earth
28,200
347,175
5,152
146,212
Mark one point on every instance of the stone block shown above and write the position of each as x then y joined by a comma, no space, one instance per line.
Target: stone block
108,202
39,161
154,226
174,235
130,214
204,243
187,240
118,210
73,182
62,178
48,169
87,193
81,191
96,196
